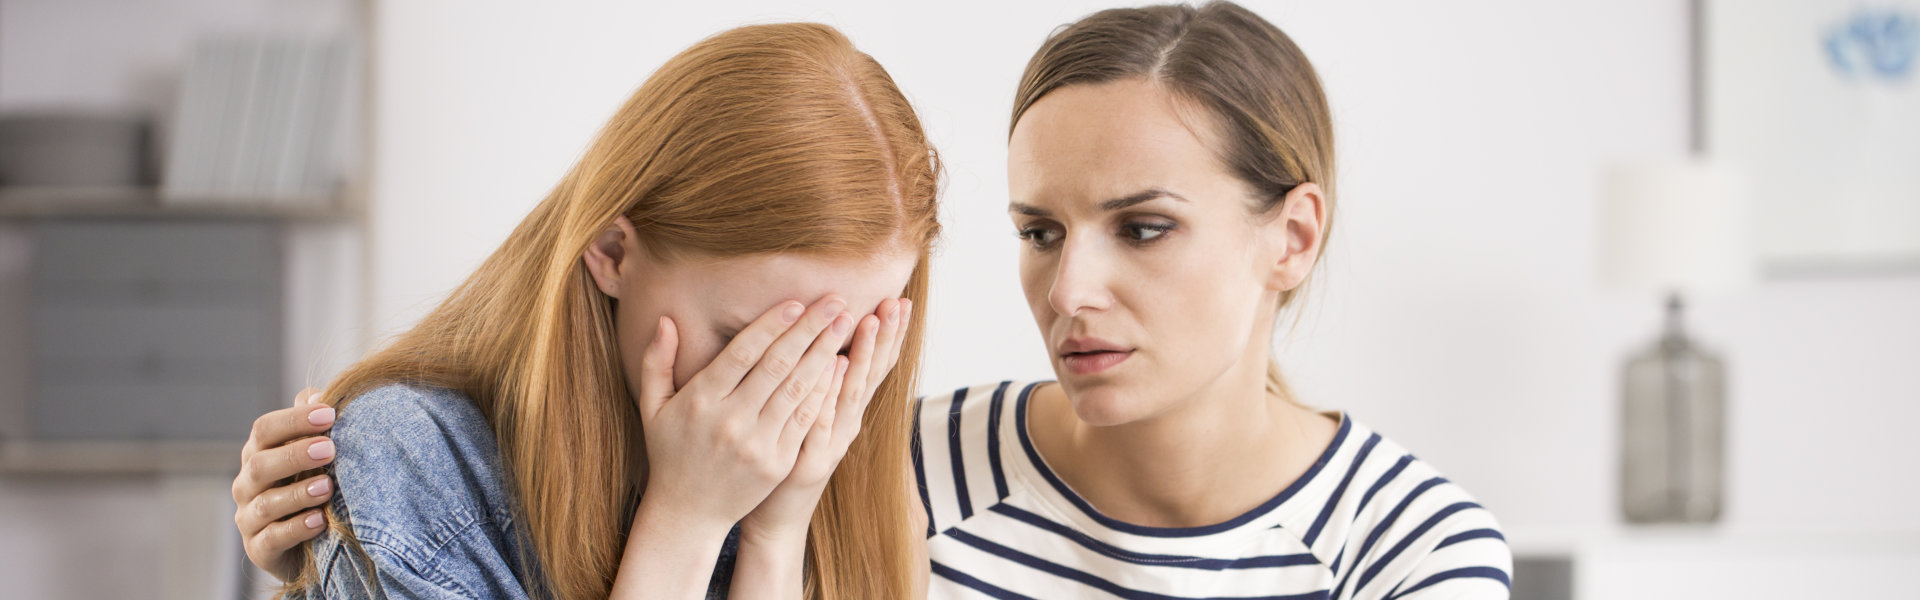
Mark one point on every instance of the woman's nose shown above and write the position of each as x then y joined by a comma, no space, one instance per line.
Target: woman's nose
1080,280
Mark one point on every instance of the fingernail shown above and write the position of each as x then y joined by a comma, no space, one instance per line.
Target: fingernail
321,451
841,324
315,520
317,395
320,487
323,416
793,312
837,306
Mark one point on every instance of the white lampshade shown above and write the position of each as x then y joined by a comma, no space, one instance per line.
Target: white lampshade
1679,226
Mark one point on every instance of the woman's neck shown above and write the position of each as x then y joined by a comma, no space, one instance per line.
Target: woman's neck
1214,455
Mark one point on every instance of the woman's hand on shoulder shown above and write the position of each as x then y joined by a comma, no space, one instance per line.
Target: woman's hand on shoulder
274,515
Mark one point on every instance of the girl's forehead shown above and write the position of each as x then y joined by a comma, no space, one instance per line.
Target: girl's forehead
742,288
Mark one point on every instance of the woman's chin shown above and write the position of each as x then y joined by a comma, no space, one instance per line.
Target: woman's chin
1107,405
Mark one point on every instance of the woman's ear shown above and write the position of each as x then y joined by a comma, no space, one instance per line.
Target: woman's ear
614,254
1295,234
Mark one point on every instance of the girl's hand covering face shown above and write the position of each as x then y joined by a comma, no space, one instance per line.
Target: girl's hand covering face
875,351
717,446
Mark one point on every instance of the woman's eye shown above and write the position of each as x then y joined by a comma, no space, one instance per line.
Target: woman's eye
1144,232
1039,237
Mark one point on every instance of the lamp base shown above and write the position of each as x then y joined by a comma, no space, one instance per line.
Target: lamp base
1673,430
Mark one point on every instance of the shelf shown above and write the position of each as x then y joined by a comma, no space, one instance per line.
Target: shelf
1732,560
79,202
118,458
1722,540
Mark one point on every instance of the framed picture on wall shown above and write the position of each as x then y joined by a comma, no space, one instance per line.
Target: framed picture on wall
1818,101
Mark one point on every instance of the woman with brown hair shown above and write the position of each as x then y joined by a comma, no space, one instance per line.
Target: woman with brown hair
1171,170
688,333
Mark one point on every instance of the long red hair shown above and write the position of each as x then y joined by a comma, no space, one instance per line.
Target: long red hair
769,138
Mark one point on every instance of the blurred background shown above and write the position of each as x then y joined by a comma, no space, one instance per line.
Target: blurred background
206,205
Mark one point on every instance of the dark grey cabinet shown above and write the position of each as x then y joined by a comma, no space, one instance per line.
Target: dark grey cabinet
153,330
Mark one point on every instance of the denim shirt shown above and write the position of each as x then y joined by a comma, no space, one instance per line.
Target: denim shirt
420,481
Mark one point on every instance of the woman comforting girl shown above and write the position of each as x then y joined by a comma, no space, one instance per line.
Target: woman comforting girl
688,371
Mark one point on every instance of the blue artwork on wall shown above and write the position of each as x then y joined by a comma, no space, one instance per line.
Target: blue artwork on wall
1875,44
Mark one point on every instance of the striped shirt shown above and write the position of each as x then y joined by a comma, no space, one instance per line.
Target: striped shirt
1367,520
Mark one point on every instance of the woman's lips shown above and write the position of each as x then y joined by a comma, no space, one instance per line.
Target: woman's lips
1088,363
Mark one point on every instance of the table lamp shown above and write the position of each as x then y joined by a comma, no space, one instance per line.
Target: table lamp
1680,229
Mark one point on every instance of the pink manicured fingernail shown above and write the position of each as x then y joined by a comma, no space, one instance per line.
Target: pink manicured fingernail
320,488
321,451
793,312
323,416
314,521
841,324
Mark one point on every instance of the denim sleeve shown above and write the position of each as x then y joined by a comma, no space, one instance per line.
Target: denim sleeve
421,485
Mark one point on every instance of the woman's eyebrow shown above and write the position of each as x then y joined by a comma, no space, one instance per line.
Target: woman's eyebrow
1028,210
1120,203
1139,197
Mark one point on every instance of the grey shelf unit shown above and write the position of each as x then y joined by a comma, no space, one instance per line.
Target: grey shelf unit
22,203
155,331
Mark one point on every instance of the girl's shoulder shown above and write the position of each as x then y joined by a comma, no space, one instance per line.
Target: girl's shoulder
400,412
422,487
415,450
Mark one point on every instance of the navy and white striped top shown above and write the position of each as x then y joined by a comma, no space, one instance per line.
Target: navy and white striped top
1367,520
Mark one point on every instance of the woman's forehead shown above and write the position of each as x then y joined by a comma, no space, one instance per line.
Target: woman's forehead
1093,142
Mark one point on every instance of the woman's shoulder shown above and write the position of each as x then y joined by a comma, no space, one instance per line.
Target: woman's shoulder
1400,480
964,447
1407,527
965,420
978,397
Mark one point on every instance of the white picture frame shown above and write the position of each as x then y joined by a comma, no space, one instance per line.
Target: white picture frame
1818,102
